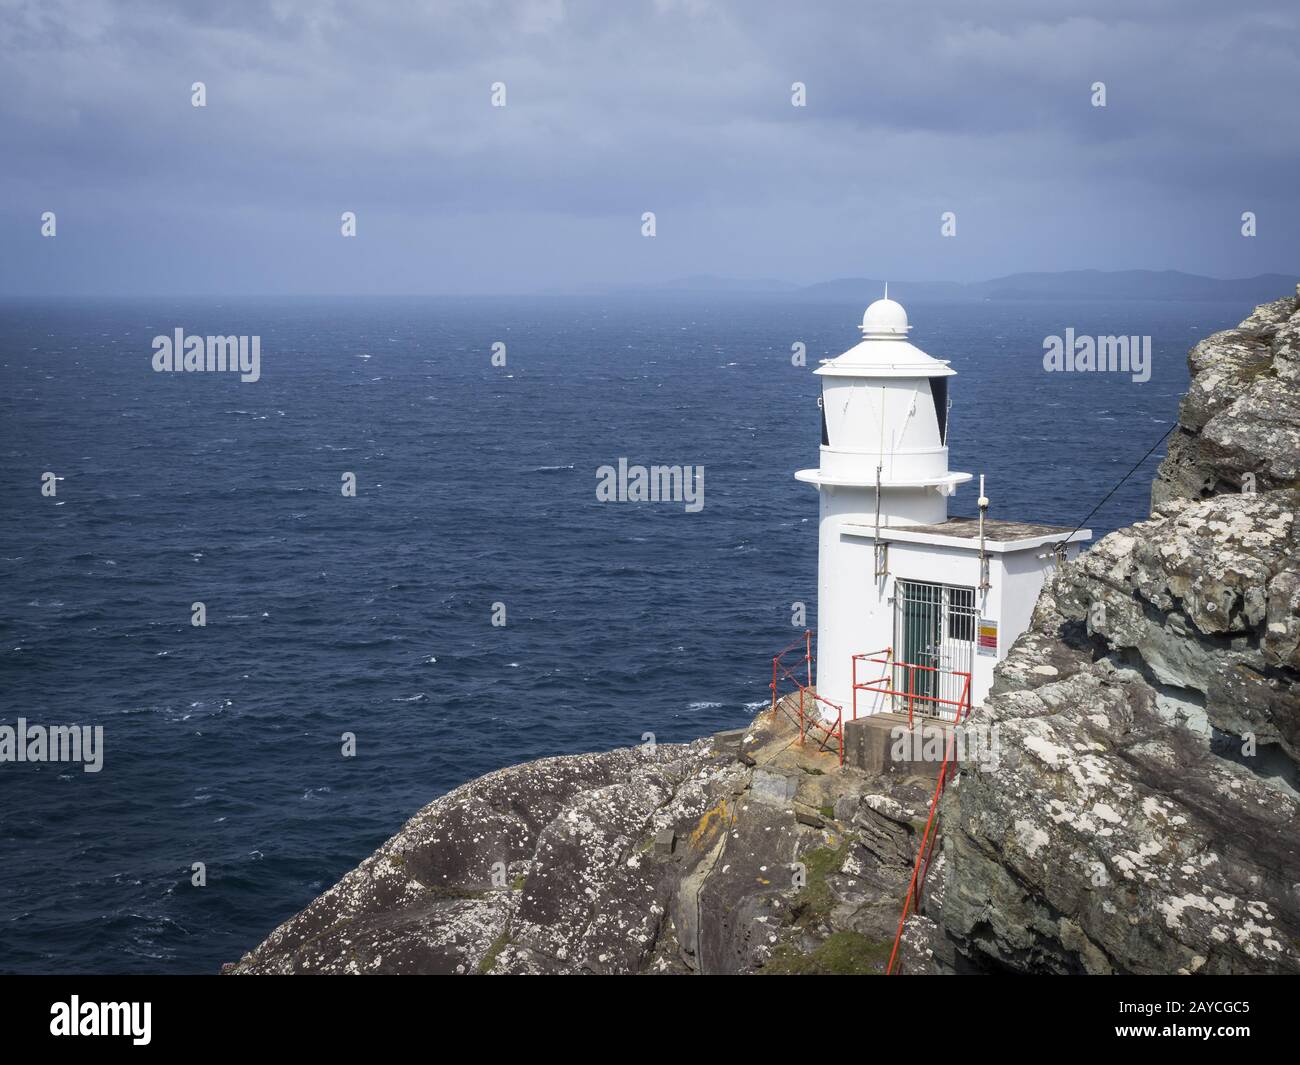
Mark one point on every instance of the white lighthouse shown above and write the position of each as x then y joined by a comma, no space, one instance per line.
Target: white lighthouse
912,605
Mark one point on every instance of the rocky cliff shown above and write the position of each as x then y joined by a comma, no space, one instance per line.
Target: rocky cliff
737,853
1142,815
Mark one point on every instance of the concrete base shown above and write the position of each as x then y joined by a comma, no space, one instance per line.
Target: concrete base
874,744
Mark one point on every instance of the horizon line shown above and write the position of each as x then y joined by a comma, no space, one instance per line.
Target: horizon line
675,285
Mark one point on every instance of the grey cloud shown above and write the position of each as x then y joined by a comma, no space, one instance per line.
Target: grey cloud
682,108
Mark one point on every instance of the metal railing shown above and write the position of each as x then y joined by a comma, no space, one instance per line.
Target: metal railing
921,867
883,685
808,699
914,694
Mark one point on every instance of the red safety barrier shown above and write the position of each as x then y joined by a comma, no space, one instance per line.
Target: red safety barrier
884,685
808,721
921,867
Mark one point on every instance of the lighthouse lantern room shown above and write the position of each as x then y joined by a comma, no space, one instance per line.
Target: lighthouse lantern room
914,607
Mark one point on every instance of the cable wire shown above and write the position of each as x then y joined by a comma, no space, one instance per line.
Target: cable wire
1120,482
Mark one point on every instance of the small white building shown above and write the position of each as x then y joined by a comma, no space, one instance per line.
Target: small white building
910,601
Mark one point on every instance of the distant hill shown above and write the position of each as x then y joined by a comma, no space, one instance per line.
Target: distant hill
1062,285
857,289
1134,285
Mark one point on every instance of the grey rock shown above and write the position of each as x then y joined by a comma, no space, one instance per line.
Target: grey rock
1143,816
808,817
774,786
671,860
1240,418
582,891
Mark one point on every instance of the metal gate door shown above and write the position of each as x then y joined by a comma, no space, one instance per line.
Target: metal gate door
934,629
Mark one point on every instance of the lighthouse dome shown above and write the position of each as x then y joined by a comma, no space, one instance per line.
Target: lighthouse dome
884,350
884,319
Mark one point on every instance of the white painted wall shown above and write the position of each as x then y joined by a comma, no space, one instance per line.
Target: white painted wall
889,421
855,610
1026,572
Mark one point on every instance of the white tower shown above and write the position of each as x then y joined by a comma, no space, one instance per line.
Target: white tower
884,462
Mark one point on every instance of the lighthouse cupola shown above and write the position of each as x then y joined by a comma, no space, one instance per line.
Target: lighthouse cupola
884,320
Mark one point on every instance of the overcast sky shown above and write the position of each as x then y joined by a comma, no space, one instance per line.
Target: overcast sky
681,107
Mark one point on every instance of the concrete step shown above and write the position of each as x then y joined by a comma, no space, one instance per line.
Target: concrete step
884,743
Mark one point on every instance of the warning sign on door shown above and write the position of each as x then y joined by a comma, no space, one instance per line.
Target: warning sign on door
988,637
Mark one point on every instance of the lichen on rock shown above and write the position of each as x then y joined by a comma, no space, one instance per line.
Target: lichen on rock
659,859
1144,816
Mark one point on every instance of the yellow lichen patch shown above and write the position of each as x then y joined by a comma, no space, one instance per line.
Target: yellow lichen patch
710,824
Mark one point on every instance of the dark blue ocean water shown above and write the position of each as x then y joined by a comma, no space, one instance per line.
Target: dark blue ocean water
372,615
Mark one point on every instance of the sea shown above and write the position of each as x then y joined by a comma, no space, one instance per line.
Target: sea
473,604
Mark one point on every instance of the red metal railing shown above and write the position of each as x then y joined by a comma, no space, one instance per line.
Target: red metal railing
780,670
884,684
921,867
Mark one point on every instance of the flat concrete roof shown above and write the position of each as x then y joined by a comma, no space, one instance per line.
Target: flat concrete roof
999,535
994,529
